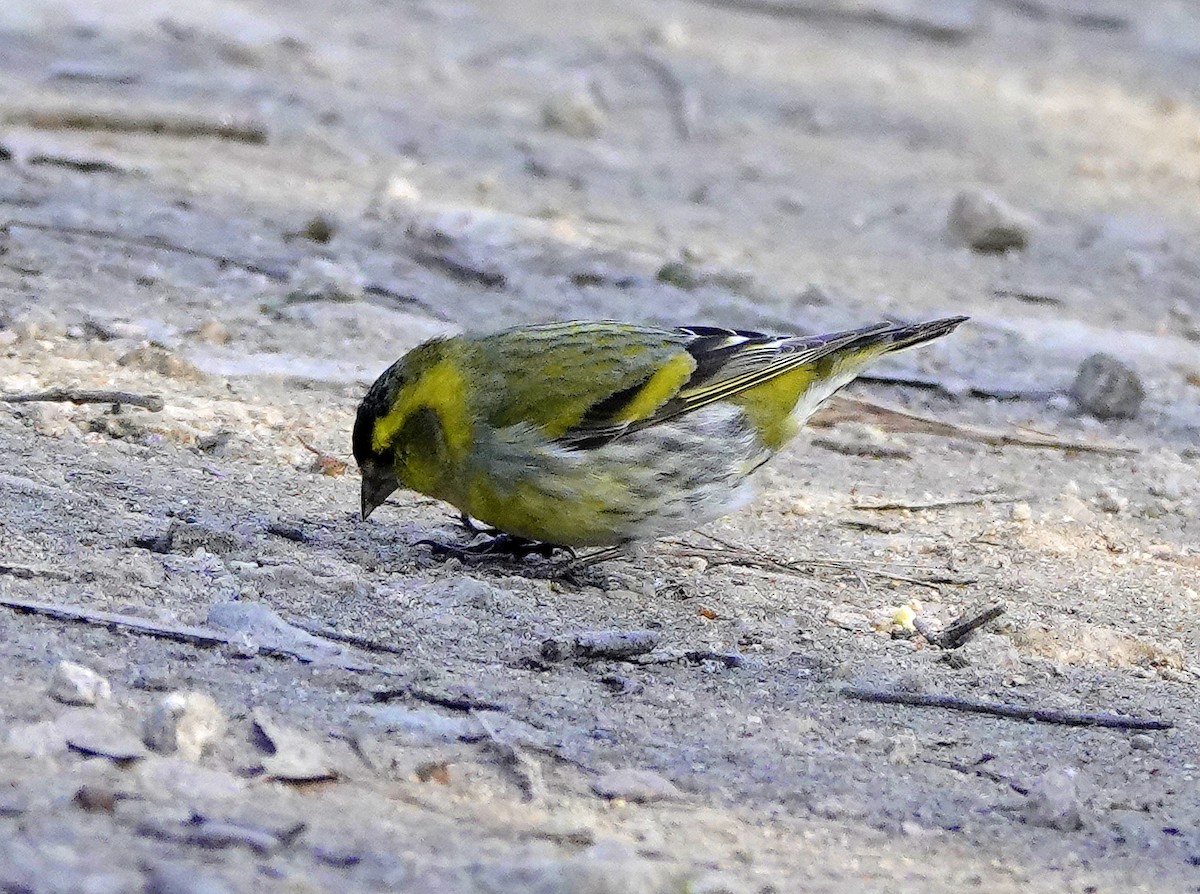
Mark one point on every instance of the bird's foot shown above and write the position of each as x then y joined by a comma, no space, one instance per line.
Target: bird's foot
498,545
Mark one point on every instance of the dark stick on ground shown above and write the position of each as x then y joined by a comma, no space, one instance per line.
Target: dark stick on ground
1016,712
202,637
278,272
350,639
156,242
918,506
160,123
964,628
29,572
151,402
977,770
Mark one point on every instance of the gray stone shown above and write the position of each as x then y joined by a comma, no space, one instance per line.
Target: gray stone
638,786
293,756
261,627
1107,388
986,223
101,736
421,724
1054,802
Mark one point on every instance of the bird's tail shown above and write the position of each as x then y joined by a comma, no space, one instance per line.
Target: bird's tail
883,338
833,361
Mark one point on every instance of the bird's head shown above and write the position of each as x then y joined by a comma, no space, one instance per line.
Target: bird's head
411,424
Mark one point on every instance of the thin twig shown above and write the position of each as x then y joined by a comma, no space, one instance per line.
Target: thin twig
871,14
961,630
799,567
465,703
151,402
847,409
894,505
350,639
161,123
525,768
984,392
1016,712
29,572
202,637
976,770
277,272
460,269
681,101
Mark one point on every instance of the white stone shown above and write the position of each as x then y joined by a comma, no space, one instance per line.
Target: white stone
74,684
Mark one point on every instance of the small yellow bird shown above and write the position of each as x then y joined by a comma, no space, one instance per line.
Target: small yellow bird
601,433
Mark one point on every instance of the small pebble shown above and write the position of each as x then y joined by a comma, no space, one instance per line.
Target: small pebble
161,361
1020,512
636,786
847,619
214,332
667,34
319,229
903,748
1107,388
575,114
1054,802
184,723
987,223
1109,500
103,737
1141,742
74,684
401,191
868,736
95,799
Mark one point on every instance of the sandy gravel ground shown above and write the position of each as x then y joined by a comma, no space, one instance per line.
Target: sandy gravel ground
251,208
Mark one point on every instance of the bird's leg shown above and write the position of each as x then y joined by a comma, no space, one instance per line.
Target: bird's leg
473,529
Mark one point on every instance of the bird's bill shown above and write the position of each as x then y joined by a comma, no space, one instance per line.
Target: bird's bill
376,487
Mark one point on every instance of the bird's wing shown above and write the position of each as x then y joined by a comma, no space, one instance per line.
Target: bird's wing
586,384
568,378
727,363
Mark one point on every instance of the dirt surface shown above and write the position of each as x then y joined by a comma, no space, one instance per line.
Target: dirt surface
251,208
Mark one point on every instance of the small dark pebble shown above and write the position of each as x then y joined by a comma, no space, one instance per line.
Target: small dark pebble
335,857
95,799
319,229
287,532
679,275
155,543
729,659
620,684
214,443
